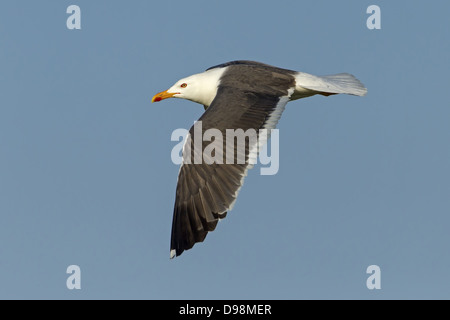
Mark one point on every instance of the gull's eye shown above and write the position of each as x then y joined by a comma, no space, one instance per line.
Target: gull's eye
184,85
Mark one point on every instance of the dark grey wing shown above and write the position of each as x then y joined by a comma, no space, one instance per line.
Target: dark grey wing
205,192
239,62
249,63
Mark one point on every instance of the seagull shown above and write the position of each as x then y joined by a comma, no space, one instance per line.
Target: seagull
236,95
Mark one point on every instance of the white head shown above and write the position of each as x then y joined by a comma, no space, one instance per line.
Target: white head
200,88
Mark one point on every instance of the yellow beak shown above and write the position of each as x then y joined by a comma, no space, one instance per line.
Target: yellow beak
162,95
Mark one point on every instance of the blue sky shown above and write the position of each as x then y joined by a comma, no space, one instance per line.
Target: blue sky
86,177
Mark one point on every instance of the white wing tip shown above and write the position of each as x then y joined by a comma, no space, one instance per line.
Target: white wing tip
172,253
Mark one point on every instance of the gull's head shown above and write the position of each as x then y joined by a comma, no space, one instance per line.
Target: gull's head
185,88
200,88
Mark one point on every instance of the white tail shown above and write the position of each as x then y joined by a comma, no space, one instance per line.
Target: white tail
332,84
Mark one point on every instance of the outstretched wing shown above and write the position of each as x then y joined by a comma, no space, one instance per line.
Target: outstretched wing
205,192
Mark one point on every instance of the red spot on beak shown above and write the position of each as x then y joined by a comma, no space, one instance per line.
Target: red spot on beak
162,95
